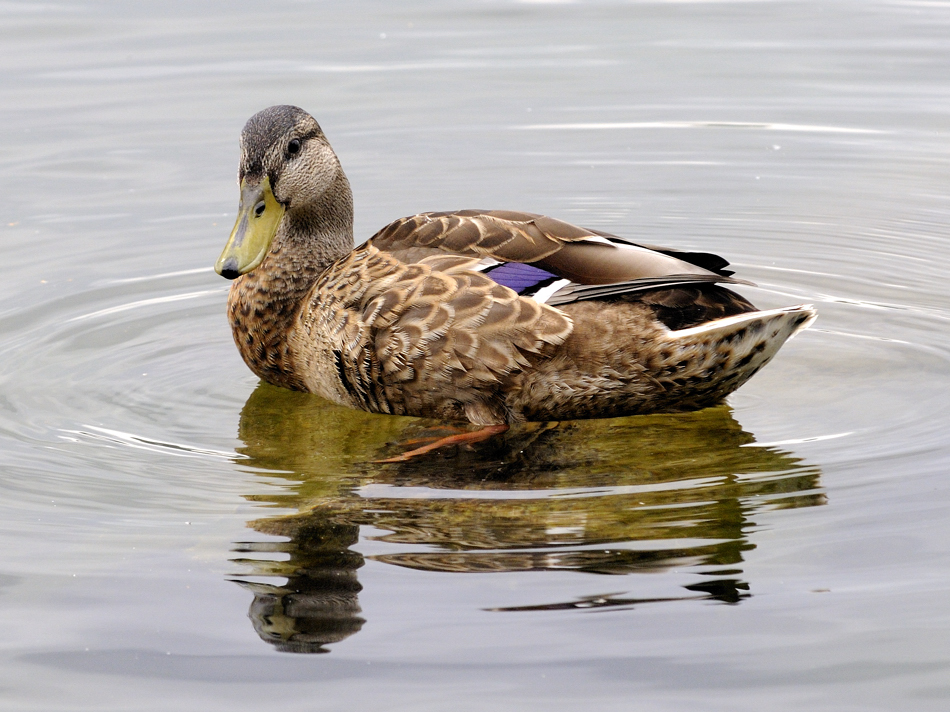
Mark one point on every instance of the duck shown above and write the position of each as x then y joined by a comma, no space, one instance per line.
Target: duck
485,317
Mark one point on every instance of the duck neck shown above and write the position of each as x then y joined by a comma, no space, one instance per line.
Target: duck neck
263,304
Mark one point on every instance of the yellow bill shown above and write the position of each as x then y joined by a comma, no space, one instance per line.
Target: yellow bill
259,215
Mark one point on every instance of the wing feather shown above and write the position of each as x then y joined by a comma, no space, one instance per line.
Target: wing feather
586,257
415,332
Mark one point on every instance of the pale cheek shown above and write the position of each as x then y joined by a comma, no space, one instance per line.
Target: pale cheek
306,177
312,177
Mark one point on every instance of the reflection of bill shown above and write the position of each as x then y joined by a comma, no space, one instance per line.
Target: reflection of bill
318,603
617,496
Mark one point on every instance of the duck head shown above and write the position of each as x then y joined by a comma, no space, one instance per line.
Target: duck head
292,185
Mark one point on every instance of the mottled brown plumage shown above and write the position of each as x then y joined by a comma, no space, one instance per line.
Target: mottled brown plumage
426,317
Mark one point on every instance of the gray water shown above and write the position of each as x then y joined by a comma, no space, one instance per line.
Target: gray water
176,536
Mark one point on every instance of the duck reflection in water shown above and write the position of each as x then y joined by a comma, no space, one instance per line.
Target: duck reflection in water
618,496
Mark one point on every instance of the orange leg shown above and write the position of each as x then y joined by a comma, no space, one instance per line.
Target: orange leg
431,438
467,437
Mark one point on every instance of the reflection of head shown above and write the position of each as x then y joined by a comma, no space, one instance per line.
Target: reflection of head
617,496
318,604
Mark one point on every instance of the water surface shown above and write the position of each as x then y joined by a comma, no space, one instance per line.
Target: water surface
177,535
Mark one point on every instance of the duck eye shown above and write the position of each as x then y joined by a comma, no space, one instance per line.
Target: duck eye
293,147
